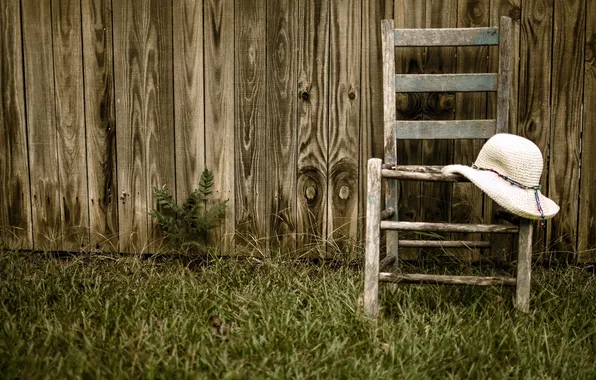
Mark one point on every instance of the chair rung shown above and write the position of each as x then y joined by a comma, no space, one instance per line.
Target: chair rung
449,227
421,173
446,37
443,244
444,129
446,280
446,82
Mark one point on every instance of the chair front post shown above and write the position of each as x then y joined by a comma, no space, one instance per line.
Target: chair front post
373,234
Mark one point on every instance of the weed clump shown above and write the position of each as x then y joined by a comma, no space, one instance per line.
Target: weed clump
186,226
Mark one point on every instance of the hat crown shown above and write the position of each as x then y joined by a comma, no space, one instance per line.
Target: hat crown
513,156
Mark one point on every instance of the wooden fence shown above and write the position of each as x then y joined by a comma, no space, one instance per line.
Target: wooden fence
282,100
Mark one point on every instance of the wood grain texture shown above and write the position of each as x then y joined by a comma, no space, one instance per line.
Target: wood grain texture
100,123
282,40
189,118
446,280
446,37
467,198
411,14
70,123
389,116
586,245
524,266
436,197
15,202
535,52
502,246
253,207
371,94
313,123
449,227
445,82
373,238
445,129
144,103
566,116
219,108
344,123
41,124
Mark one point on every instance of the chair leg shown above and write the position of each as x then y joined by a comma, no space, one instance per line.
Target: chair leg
373,234
524,266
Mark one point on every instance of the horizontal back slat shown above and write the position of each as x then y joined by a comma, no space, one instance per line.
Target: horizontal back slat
445,82
445,129
447,37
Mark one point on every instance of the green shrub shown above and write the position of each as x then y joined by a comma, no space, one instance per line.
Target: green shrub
186,226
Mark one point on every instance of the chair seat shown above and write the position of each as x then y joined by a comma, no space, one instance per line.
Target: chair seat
420,173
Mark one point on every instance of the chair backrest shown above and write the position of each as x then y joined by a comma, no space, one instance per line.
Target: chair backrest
484,82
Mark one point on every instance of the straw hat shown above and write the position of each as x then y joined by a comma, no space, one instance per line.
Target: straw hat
508,169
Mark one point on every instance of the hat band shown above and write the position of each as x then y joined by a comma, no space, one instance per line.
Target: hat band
521,186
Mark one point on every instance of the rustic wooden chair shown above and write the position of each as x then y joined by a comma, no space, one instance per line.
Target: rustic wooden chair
385,218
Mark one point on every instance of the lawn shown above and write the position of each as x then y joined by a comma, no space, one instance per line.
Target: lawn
121,317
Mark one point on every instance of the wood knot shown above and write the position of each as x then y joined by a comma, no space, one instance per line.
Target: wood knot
305,95
352,95
310,193
515,14
344,192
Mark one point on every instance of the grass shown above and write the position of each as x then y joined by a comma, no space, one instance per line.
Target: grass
122,317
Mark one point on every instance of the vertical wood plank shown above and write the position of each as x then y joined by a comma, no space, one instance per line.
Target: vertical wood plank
524,266
282,32
503,245
251,136
189,118
219,108
70,123
467,205
587,206
100,123
436,196
41,124
567,95
371,98
373,232
389,143
535,83
15,202
344,123
409,14
313,122
145,137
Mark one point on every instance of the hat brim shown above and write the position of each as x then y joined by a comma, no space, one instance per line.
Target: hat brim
516,200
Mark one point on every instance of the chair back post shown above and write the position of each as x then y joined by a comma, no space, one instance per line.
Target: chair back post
504,83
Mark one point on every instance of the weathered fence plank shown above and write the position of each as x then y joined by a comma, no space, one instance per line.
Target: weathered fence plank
344,122
436,197
219,108
100,124
41,124
15,202
282,33
145,137
586,245
371,96
566,100
467,199
535,80
70,123
251,137
409,60
313,122
189,118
